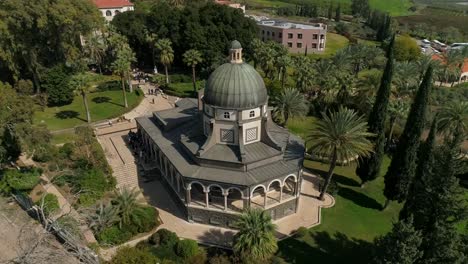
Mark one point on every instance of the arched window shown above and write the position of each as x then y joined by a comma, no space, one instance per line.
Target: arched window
227,115
108,13
252,114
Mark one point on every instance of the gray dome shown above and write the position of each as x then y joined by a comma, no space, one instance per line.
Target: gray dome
235,86
236,45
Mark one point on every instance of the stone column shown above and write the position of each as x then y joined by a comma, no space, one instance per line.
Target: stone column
188,198
281,194
245,203
265,200
207,202
225,201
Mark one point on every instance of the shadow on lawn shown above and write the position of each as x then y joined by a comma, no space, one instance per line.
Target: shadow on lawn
69,114
338,248
343,180
359,198
105,99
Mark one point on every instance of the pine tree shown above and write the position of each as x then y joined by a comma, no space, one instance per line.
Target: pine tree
402,168
369,168
399,246
338,13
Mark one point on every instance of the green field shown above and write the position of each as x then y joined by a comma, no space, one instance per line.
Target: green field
334,43
103,105
394,7
348,228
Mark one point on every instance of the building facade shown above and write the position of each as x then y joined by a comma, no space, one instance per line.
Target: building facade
222,153
298,38
110,8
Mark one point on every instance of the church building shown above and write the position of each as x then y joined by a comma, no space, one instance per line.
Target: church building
222,153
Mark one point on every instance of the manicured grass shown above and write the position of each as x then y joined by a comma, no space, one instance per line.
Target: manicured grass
62,138
334,43
103,105
348,228
301,126
183,89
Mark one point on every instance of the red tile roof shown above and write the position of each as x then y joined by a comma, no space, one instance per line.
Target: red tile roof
112,3
441,59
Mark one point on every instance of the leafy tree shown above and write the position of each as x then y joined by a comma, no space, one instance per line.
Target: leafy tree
28,25
122,66
166,54
192,58
369,167
56,82
340,136
399,246
402,168
360,8
255,240
135,255
81,83
290,103
406,49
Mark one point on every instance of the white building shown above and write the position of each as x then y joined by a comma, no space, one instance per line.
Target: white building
110,8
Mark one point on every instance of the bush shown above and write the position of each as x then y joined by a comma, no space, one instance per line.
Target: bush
50,204
20,180
127,255
180,78
111,86
44,153
277,260
199,258
155,239
145,218
94,183
220,259
302,232
24,87
167,238
113,236
186,248
56,82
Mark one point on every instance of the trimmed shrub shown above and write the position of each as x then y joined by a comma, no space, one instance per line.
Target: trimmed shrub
180,78
128,255
167,238
113,236
21,180
186,248
145,218
155,239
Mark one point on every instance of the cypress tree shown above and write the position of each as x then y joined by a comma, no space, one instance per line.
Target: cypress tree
417,201
399,246
403,165
338,13
369,168
330,11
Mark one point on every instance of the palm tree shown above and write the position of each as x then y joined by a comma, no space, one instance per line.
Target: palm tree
150,39
126,202
453,119
367,85
341,136
303,73
397,109
192,58
102,217
257,50
95,49
255,240
290,103
177,3
407,77
122,66
452,59
283,62
82,85
166,54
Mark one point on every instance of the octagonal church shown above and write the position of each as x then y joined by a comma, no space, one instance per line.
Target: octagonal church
222,153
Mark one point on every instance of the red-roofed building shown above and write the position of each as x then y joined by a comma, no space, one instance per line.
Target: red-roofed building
110,8
464,67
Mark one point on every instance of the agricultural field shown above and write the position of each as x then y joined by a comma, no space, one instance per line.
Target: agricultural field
394,7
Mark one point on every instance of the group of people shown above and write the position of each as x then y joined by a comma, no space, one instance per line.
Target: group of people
135,143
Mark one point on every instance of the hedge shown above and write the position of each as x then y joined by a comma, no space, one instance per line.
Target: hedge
186,248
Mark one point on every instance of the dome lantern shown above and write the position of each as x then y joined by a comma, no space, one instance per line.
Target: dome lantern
236,52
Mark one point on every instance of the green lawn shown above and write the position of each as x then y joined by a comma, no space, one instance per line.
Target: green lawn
103,105
301,126
334,43
183,89
348,228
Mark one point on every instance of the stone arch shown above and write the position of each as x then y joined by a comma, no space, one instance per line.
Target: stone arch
290,186
273,181
197,193
214,185
274,192
235,199
216,196
258,197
